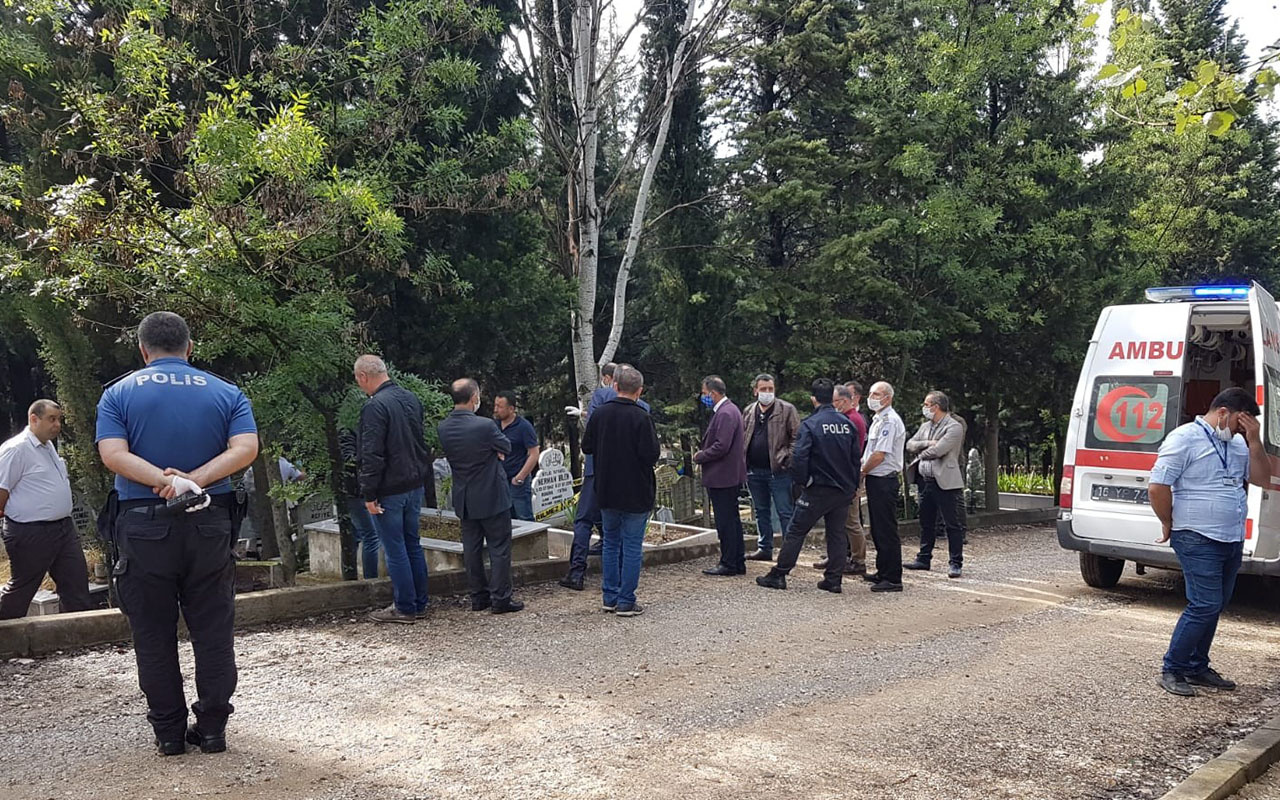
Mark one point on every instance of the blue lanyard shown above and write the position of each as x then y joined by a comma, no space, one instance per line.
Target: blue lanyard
1222,456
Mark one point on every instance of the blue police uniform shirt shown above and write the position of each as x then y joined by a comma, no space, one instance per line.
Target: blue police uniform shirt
1207,477
522,436
173,415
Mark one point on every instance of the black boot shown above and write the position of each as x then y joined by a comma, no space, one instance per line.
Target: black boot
208,741
772,580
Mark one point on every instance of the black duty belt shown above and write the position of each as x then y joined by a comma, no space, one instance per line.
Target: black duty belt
152,509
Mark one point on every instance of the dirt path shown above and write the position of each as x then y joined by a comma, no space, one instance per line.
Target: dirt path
1017,681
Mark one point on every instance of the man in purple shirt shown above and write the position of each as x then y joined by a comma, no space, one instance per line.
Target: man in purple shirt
724,468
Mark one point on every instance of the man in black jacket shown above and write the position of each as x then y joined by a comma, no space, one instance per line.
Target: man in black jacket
393,464
475,447
826,462
621,436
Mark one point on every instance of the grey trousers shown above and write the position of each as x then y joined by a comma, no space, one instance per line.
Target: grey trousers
37,548
495,533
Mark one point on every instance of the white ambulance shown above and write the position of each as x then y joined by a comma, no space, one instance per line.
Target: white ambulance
1149,369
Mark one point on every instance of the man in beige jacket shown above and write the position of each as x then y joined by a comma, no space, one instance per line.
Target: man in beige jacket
937,446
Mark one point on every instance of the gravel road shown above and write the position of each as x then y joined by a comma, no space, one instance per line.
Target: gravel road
1016,681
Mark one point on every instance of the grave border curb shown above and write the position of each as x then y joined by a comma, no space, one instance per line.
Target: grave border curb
1243,762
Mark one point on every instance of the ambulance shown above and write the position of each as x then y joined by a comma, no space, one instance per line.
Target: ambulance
1149,369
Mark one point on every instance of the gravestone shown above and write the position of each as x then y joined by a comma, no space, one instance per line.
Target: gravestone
684,498
666,477
553,485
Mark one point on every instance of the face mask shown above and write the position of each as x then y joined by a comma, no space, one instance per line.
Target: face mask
765,398
707,401
874,404
1225,434
925,412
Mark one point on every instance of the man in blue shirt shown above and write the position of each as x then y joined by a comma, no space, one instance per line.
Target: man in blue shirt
167,431
1197,490
523,458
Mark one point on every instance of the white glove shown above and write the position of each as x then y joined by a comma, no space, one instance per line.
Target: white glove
183,485
574,411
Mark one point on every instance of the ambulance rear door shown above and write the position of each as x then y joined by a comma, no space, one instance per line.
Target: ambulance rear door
1132,400
1264,505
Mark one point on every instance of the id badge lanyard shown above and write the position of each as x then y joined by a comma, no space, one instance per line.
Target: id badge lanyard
1227,478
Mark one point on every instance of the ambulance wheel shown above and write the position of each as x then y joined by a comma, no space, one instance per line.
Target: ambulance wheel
1099,572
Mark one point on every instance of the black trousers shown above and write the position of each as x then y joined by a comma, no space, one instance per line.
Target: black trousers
36,548
934,503
495,533
882,507
724,506
171,563
818,502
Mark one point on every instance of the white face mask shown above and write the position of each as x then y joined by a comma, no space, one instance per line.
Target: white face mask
874,404
1225,434
925,412
765,398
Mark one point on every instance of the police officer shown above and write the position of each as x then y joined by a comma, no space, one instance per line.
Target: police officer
171,432
826,463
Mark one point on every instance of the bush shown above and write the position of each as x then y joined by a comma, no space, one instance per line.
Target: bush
1026,482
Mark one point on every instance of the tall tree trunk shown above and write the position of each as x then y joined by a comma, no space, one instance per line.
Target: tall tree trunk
991,453
284,531
260,508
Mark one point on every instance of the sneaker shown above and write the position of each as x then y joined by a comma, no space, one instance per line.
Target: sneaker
1173,683
1212,679
391,614
829,586
953,571
886,586
771,580
608,609
629,610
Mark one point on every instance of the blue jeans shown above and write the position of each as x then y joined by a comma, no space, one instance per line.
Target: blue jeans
770,491
521,500
1209,570
622,553
366,536
588,517
397,528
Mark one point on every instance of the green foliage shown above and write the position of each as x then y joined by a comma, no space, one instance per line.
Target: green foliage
1026,482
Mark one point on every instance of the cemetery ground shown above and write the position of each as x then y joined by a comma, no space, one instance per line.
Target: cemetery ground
1016,681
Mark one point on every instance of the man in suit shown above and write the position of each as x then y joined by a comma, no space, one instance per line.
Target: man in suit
937,446
475,447
724,468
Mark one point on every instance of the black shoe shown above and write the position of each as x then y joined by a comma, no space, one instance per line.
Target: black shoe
855,569
1173,683
208,742
772,580
761,555
171,748
953,571
741,570
480,605
629,610
1212,679
871,577
917,564
595,551
886,586
828,586
570,583
820,564
720,569
509,607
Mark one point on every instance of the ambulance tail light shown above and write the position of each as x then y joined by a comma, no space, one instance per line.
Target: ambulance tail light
1068,476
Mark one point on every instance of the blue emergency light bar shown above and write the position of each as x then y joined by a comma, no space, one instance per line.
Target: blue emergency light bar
1181,294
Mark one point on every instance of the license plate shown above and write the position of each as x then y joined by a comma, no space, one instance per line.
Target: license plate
1121,494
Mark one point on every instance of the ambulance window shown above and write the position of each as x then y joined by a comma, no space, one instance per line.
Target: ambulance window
1271,410
1132,413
